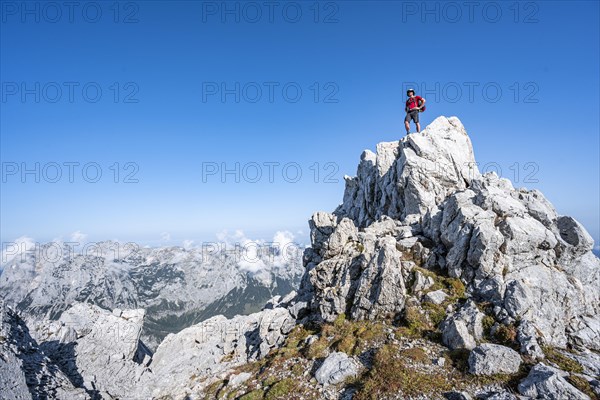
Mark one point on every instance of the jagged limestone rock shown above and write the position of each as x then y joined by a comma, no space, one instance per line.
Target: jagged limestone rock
412,176
526,336
508,246
464,328
26,372
544,382
106,354
198,355
421,282
492,359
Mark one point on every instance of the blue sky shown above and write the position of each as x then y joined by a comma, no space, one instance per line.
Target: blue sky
162,117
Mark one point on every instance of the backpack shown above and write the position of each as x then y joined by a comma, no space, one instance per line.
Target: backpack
422,108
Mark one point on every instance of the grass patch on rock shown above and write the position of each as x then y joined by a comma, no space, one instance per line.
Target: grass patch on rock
506,335
582,385
391,375
281,389
565,363
416,354
459,359
257,394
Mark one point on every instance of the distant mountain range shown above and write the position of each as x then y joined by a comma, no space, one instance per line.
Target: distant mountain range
178,287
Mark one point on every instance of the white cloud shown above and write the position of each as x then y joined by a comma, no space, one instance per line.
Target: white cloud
283,238
165,236
78,237
254,256
250,258
17,247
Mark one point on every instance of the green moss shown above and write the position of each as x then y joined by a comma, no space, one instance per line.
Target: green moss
457,288
487,324
282,389
359,247
344,335
427,273
270,380
454,286
497,379
368,330
253,395
294,342
565,363
339,320
298,369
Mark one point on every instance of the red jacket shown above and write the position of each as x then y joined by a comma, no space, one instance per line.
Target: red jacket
413,102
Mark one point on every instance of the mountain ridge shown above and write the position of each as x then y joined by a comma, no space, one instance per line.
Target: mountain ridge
429,280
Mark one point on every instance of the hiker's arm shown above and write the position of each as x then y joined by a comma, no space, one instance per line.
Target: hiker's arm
422,102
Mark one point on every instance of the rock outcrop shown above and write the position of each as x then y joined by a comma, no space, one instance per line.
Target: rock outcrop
194,356
422,202
25,371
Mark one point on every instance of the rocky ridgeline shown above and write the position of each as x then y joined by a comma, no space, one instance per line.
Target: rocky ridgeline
425,260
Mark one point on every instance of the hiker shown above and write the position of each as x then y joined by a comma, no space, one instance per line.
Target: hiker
414,105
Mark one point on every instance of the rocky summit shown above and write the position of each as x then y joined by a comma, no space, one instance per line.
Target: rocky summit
429,281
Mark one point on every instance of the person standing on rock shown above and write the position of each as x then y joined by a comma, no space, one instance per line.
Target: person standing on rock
414,105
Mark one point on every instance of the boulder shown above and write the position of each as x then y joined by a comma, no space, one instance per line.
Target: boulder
336,368
238,379
544,382
456,335
491,359
436,297
462,329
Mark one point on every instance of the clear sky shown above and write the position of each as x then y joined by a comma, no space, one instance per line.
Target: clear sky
161,97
